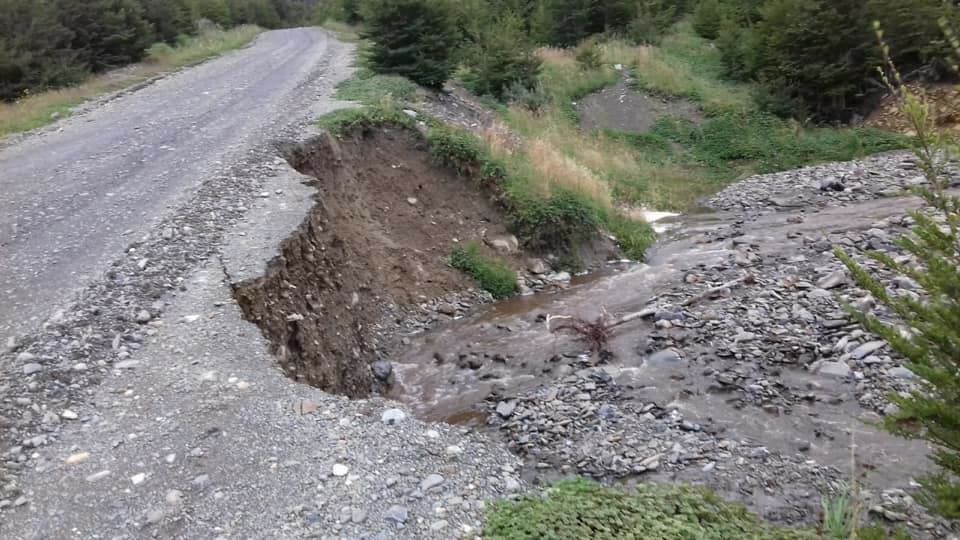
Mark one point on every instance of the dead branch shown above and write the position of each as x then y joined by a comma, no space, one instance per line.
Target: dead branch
744,280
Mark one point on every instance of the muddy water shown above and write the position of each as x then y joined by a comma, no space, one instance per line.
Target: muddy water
512,349
511,338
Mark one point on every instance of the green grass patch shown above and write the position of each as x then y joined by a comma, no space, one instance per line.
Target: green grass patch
582,509
368,87
492,275
360,119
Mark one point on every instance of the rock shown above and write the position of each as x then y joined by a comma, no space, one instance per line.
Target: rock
358,515
835,369
664,357
409,112
138,478
901,372
505,408
127,364
339,469
393,416
97,476
511,484
143,316
866,349
396,514
32,368
382,370
835,279
173,497
412,201
79,457
69,415
831,183
447,309
453,450
26,357
506,243
439,525
559,277
536,266
430,482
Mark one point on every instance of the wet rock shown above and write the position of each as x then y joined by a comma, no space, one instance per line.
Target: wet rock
382,370
664,357
505,408
835,369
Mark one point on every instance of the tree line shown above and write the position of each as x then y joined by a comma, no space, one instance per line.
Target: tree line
810,59
52,43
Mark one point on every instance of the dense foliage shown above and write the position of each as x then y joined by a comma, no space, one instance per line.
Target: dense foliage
52,43
818,57
492,275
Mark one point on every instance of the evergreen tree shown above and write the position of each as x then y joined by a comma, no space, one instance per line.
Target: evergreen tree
170,18
412,38
928,336
502,56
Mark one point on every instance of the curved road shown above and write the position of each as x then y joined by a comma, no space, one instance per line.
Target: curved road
74,196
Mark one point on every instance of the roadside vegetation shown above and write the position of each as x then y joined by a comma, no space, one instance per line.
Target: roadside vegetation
492,275
55,54
36,110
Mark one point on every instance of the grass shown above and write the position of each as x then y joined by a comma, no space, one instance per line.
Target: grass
368,88
582,509
679,162
492,275
37,110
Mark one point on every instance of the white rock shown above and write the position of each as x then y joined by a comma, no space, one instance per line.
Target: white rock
138,478
69,415
79,457
339,469
393,416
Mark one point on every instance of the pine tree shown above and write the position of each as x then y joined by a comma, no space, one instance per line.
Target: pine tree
501,56
929,333
412,38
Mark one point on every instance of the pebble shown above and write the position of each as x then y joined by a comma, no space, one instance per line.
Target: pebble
69,415
396,514
138,478
505,408
31,368
173,497
431,482
143,316
835,369
339,469
79,457
97,476
393,416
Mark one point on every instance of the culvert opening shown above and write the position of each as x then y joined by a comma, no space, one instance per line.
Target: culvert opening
369,263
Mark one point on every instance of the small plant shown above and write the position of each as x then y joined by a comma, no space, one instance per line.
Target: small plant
588,56
493,276
533,98
370,88
583,509
361,119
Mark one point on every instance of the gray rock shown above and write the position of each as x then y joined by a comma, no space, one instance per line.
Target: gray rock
835,279
507,243
511,484
396,514
144,316
901,372
664,357
536,266
866,349
393,416
358,515
835,369
505,408
447,309
430,482
26,357
32,368
127,364
409,112
382,370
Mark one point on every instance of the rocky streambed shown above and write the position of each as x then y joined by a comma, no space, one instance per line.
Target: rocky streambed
744,374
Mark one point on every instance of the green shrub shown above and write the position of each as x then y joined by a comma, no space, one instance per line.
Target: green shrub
557,222
361,119
500,56
927,332
588,55
582,509
492,275
534,99
415,39
707,17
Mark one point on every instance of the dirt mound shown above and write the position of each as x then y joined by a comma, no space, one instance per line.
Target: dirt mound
620,108
374,245
945,99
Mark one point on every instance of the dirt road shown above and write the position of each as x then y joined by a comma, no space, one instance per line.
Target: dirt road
74,197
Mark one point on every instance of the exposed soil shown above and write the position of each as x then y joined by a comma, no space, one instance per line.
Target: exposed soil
621,108
944,97
373,249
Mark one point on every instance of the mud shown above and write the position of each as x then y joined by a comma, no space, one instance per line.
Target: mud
621,108
371,252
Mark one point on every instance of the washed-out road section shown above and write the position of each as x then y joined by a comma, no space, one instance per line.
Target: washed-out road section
73,197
